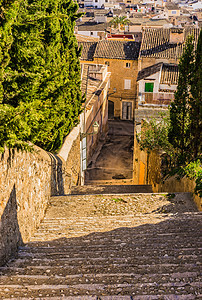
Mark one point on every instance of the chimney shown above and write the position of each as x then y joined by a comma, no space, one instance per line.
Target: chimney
176,35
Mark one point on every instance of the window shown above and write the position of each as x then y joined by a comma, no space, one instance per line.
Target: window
174,12
127,84
149,86
107,63
106,1
96,0
127,65
91,33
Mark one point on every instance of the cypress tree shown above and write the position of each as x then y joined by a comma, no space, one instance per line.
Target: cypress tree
179,131
196,103
42,83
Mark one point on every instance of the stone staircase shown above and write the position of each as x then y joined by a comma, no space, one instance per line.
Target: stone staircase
110,247
110,189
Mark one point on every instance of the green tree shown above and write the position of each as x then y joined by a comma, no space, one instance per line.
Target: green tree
154,137
42,74
195,103
179,131
116,21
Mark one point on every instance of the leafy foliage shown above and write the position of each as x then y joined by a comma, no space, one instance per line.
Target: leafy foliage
154,135
180,137
194,171
116,21
186,109
179,133
195,103
40,78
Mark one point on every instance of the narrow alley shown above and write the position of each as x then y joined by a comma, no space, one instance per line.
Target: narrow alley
113,161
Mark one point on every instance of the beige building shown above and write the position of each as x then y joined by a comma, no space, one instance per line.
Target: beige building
172,10
121,57
94,85
158,61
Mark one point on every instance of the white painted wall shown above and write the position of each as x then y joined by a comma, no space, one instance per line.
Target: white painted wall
88,33
153,78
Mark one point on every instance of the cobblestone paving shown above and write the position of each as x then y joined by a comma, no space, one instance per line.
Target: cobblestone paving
110,247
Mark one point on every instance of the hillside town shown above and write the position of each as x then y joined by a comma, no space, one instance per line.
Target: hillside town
101,149
141,44
142,50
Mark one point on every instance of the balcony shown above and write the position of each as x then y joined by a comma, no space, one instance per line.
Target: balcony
156,98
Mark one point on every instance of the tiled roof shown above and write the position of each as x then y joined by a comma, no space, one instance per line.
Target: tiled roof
89,84
92,26
172,6
110,49
117,49
169,74
148,21
88,50
146,72
156,43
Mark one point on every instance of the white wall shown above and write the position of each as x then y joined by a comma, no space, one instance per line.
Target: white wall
155,78
88,33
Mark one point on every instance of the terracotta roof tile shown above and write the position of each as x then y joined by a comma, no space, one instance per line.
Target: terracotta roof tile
89,84
169,74
110,49
117,49
156,43
88,50
146,72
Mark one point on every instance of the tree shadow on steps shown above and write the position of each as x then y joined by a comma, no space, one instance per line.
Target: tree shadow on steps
10,236
147,259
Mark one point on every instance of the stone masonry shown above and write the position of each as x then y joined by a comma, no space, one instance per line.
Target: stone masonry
110,247
27,181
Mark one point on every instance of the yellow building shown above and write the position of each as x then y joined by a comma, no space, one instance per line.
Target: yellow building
94,84
121,57
160,53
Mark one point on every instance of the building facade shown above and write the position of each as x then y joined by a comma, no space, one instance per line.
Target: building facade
121,57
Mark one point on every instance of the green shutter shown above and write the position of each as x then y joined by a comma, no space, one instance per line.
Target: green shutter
149,86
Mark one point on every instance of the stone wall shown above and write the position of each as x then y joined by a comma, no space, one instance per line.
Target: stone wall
173,184
147,170
146,167
27,181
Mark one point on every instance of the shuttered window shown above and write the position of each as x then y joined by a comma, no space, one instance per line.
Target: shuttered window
149,86
127,84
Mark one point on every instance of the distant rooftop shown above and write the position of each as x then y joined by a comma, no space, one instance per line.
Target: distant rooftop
157,42
169,73
110,49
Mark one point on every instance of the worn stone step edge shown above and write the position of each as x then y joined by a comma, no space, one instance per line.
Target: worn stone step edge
157,266
101,286
120,297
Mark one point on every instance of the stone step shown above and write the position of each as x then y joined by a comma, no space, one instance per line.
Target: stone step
106,173
107,259
141,246
126,297
125,288
110,189
106,277
76,270
110,182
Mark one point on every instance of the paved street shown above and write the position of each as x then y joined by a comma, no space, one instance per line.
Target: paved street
114,158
